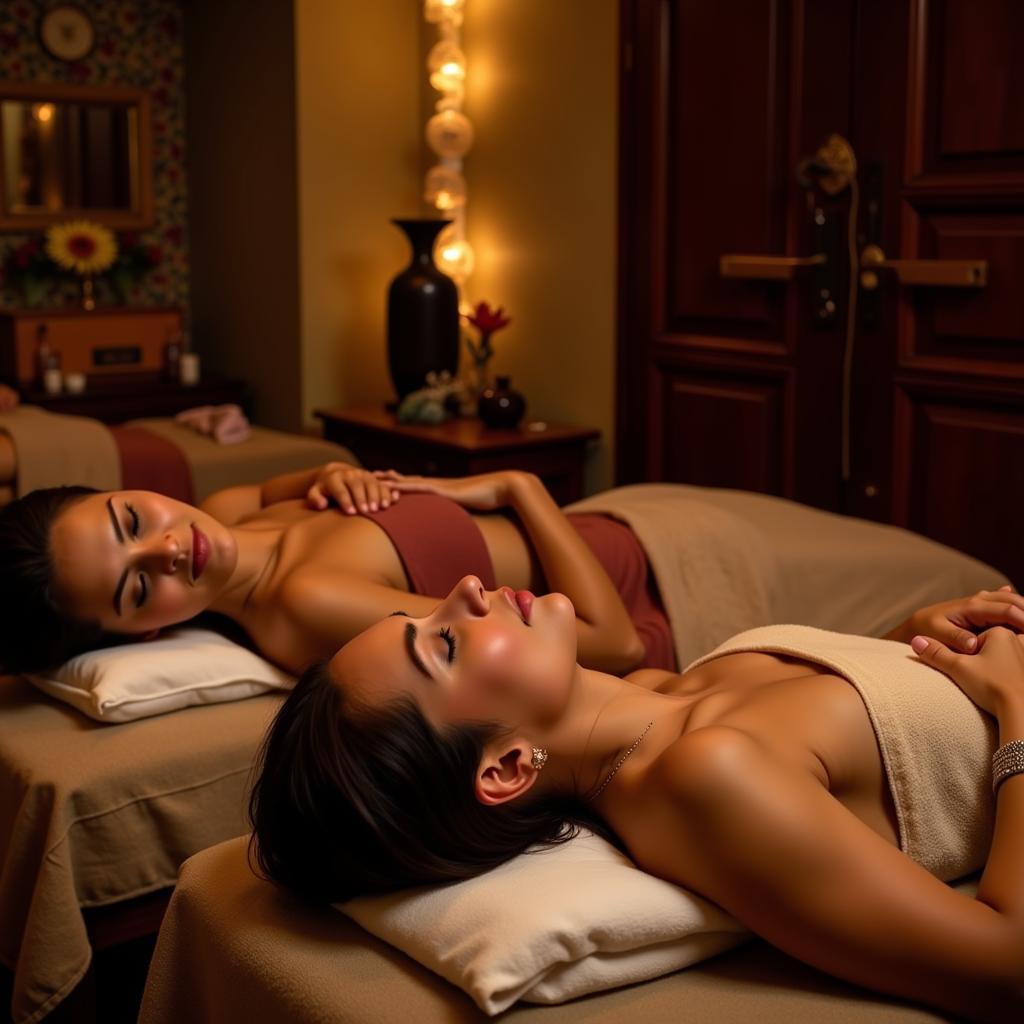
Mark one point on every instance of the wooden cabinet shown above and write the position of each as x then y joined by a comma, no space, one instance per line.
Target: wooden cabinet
554,451
98,343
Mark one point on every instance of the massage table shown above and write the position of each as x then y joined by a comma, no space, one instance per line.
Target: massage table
234,947
97,816
44,449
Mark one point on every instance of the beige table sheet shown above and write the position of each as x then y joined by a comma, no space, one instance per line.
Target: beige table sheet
235,948
93,814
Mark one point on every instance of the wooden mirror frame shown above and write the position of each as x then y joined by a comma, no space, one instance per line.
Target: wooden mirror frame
141,213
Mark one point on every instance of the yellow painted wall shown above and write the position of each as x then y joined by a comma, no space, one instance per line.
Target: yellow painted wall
542,96
358,87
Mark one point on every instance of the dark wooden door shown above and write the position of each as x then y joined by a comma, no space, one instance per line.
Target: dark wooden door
902,402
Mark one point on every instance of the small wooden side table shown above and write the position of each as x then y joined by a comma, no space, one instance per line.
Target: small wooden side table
460,447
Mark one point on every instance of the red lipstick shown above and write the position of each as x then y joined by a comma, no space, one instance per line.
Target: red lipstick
200,552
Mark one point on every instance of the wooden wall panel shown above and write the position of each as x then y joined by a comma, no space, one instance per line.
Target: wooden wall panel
726,79
974,332
952,451
720,431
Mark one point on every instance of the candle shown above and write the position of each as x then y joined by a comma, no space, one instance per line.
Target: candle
189,367
52,380
75,383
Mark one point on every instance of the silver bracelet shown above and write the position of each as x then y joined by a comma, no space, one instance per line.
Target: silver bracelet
1006,761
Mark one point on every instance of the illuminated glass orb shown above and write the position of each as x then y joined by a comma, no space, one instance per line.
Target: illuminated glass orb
447,66
454,256
444,188
43,112
450,134
438,11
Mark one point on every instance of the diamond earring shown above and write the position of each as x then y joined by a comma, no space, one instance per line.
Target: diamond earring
540,758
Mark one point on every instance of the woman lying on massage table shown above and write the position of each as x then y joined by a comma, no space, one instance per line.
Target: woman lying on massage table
79,569
815,785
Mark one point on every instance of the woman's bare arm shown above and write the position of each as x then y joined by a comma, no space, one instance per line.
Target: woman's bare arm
335,483
607,638
768,843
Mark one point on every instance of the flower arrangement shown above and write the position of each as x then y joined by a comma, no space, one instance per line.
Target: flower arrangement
28,269
134,259
488,322
87,250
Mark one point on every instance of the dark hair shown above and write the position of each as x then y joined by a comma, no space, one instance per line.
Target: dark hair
37,633
351,800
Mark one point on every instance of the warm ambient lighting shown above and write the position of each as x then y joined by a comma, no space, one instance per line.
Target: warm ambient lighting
43,112
450,136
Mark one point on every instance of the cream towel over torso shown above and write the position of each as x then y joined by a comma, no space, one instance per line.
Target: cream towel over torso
936,744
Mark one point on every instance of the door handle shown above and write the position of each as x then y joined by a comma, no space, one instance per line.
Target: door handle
765,268
925,273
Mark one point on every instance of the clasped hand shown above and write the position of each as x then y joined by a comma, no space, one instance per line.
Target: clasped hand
987,628
956,623
350,488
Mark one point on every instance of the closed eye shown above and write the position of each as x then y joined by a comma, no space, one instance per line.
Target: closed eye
449,638
135,522
143,592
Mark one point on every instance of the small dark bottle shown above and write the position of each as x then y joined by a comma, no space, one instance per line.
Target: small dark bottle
501,406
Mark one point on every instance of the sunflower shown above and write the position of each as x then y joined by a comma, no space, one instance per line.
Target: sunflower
81,246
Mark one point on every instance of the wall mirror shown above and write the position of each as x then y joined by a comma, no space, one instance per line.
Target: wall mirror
74,151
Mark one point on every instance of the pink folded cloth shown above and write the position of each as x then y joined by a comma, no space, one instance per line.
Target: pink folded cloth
225,424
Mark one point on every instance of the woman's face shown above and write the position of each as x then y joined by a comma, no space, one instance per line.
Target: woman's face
479,656
135,561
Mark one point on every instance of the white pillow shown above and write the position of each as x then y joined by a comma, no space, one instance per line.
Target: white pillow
183,667
550,925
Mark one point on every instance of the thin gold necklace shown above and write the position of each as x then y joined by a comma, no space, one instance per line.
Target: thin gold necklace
620,762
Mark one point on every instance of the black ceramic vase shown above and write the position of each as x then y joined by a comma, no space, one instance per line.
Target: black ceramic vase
423,313
501,406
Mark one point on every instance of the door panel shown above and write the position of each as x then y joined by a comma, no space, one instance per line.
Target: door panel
719,101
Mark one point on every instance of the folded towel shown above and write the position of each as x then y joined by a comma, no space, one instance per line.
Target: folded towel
225,424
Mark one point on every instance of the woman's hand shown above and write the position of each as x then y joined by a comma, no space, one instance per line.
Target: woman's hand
989,677
350,488
484,492
956,622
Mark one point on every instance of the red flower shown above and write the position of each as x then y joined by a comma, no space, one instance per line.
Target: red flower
487,320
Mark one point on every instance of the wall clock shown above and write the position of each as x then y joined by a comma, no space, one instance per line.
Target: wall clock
67,32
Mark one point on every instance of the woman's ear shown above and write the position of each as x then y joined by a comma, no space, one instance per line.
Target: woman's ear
506,772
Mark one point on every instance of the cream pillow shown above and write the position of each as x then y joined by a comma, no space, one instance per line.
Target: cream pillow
183,667
550,926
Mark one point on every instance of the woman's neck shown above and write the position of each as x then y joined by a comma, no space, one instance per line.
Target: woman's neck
257,553
605,718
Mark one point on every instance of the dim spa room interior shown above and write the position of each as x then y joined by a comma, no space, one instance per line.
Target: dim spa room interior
511,509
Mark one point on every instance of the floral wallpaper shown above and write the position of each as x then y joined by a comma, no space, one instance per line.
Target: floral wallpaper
138,43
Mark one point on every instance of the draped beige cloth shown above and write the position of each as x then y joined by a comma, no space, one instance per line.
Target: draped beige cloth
726,561
93,814
936,744
264,454
235,948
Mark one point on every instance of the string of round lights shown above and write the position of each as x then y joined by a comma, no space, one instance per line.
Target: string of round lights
450,136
